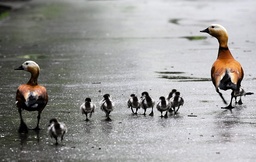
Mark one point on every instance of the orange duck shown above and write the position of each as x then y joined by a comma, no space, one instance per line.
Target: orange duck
30,96
226,72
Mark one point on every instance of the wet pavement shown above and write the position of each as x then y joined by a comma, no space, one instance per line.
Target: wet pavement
89,48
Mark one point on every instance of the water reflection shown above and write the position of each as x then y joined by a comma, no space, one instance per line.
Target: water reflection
106,126
89,126
28,137
225,123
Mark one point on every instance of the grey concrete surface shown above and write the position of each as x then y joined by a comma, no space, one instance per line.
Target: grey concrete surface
93,47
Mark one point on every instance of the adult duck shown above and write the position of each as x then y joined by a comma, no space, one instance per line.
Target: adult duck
30,96
226,72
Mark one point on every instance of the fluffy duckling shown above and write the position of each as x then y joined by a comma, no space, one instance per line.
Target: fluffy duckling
133,103
147,102
240,94
226,72
162,105
30,96
87,108
176,101
171,94
57,129
107,105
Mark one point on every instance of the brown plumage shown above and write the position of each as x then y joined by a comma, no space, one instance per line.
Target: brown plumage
226,72
30,96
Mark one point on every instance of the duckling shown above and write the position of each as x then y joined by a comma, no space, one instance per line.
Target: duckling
107,105
57,129
226,72
171,94
30,96
87,108
147,102
240,94
133,102
176,101
162,105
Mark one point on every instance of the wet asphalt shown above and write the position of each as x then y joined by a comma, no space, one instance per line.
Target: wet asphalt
89,48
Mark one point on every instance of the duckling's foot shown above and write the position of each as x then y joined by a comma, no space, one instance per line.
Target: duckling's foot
229,107
240,102
87,119
108,119
23,128
36,128
166,115
151,114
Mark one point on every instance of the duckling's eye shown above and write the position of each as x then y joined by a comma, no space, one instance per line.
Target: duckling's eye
213,26
26,63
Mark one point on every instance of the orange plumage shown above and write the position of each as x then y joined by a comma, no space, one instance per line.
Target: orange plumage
31,96
226,72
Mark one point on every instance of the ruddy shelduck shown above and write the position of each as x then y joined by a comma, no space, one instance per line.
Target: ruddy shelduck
147,102
88,107
133,103
107,105
30,96
226,72
162,106
57,129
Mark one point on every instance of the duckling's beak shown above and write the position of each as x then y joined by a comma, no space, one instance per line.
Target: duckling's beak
19,68
205,30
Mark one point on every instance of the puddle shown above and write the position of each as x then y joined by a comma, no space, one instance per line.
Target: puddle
193,38
175,21
33,56
175,75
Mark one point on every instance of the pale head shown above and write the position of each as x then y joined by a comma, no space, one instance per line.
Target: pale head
29,66
219,32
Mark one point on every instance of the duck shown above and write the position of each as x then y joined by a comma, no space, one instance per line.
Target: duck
107,105
170,95
88,107
30,96
147,102
162,105
239,94
176,101
226,72
57,129
133,102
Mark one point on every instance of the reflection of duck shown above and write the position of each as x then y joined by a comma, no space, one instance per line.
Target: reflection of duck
147,102
226,72
176,101
133,102
57,129
106,105
87,108
162,105
30,96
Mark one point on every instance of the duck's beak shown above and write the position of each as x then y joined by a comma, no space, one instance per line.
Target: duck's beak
205,30
19,68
